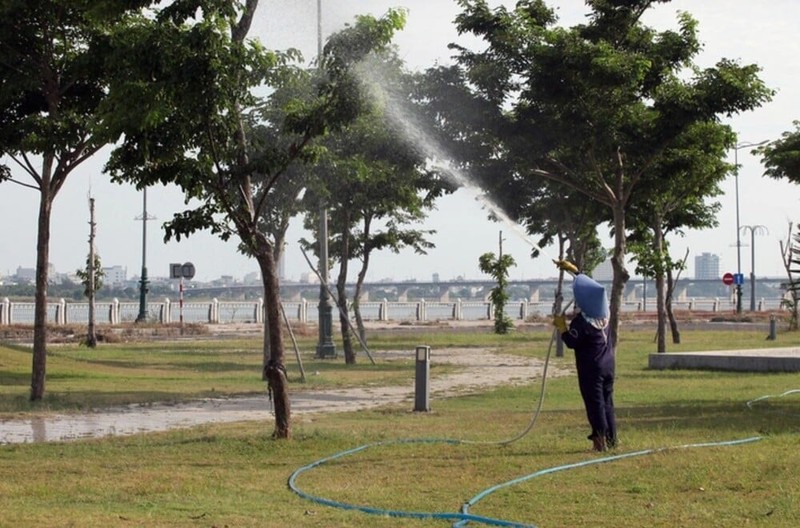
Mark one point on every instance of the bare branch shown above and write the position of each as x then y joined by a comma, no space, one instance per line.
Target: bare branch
27,167
22,184
242,28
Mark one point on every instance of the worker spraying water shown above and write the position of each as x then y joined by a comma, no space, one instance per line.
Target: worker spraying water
588,335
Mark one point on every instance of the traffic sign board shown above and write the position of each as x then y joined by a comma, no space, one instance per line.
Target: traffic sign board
181,271
187,270
738,278
727,279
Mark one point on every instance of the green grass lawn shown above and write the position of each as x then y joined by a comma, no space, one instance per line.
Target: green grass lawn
235,475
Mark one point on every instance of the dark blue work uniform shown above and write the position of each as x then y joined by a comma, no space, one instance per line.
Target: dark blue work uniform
594,359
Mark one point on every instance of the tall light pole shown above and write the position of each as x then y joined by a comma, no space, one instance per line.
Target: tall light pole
325,346
143,282
738,228
754,230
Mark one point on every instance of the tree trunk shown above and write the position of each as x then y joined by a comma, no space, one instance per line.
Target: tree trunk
91,334
266,353
360,328
362,274
621,275
39,368
341,293
344,317
362,332
661,314
275,371
277,253
673,323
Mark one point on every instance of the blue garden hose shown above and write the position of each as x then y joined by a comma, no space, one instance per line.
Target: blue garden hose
462,518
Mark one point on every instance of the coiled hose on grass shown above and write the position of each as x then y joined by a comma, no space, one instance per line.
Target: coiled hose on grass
462,518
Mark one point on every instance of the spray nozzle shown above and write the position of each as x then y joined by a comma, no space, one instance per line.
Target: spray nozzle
565,265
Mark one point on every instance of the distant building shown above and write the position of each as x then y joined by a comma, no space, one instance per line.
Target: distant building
26,274
115,275
224,280
308,278
436,278
252,278
706,266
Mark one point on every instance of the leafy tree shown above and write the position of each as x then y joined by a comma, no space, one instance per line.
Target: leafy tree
54,85
297,87
185,109
284,195
677,188
593,106
83,275
376,187
790,255
92,280
782,157
497,267
782,161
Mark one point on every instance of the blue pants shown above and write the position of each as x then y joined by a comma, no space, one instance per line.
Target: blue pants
597,390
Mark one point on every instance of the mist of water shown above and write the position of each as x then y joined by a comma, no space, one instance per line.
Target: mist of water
378,82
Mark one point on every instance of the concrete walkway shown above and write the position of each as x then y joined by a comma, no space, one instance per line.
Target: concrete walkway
756,360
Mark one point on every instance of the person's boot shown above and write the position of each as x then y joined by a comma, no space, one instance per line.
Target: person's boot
599,442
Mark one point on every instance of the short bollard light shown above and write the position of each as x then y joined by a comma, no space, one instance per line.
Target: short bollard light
773,328
421,380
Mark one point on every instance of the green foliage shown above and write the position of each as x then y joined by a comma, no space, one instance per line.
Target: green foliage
592,107
56,75
84,276
497,268
782,157
185,99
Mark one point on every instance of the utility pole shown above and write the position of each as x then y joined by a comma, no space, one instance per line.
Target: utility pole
325,347
91,335
754,230
501,246
738,227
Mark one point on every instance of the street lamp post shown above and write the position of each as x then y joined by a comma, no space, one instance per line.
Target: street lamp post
738,228
754,230
325,346
143,282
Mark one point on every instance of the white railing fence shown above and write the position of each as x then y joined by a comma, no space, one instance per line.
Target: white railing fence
62,312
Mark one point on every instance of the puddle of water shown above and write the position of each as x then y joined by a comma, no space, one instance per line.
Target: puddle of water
132,420
136,419
153,418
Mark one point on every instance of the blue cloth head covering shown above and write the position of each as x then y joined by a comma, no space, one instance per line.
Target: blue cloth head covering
590,296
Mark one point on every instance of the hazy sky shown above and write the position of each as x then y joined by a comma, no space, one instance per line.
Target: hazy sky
751,32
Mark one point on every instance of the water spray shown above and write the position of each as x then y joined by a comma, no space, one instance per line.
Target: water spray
374,78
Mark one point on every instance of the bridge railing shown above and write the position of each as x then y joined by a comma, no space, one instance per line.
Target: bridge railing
226,312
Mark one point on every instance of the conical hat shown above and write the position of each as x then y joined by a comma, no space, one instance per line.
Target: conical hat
590,296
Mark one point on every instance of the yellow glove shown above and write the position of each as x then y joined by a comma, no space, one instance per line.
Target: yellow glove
560,322
567,266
